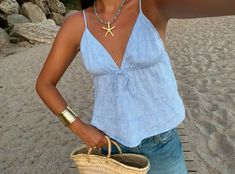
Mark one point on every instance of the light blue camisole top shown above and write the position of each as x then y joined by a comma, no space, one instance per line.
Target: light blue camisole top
140,99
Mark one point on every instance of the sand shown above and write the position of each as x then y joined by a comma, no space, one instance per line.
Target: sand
202,53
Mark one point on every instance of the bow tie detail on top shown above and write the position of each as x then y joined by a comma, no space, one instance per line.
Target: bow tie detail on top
127,82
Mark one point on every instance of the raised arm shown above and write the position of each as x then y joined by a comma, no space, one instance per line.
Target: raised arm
196,8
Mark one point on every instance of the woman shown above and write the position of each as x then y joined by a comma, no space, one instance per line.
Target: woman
136,97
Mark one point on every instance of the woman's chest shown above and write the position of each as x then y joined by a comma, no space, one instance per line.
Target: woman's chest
143,49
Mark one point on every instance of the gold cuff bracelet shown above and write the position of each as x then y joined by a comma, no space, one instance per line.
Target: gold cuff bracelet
67,116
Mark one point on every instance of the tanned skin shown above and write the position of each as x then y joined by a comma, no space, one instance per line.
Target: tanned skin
67,44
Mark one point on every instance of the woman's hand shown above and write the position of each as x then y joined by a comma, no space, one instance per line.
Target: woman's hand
88,134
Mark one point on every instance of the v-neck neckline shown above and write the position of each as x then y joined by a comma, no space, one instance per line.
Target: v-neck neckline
127,44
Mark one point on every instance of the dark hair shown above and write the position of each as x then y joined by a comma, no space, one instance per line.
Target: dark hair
86,3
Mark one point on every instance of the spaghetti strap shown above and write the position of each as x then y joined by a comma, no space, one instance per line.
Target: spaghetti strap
84,16
140,6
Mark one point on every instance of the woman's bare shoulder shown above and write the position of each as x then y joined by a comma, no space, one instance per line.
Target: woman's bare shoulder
74,25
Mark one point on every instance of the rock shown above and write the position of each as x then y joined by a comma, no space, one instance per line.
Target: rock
43,5
40,32
16,19
58,18
16,39
4,38
56,6
19,40
9,6
20,2
33,12
3,20
24,44
69,12
49,6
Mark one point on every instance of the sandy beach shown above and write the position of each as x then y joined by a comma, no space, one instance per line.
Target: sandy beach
202,52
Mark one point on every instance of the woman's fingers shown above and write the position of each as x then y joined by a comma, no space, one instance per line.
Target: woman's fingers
103,142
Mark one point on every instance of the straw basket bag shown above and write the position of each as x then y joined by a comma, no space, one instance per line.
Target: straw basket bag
98,163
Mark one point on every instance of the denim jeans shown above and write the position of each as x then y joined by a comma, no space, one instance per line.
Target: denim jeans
164,151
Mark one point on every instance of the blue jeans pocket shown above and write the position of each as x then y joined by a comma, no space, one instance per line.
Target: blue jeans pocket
167,136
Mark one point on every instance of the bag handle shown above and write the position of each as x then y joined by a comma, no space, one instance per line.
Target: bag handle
109,147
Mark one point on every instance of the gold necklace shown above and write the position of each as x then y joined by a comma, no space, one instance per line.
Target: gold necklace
108,28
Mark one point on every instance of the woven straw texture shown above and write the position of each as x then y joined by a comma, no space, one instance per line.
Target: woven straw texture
90,161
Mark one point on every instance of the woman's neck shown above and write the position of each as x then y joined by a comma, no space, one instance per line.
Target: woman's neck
107,5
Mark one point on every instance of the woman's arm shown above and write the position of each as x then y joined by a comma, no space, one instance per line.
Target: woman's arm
64,49
62,53
196,8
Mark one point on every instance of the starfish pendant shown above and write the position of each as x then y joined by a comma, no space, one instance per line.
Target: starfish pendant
109,29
